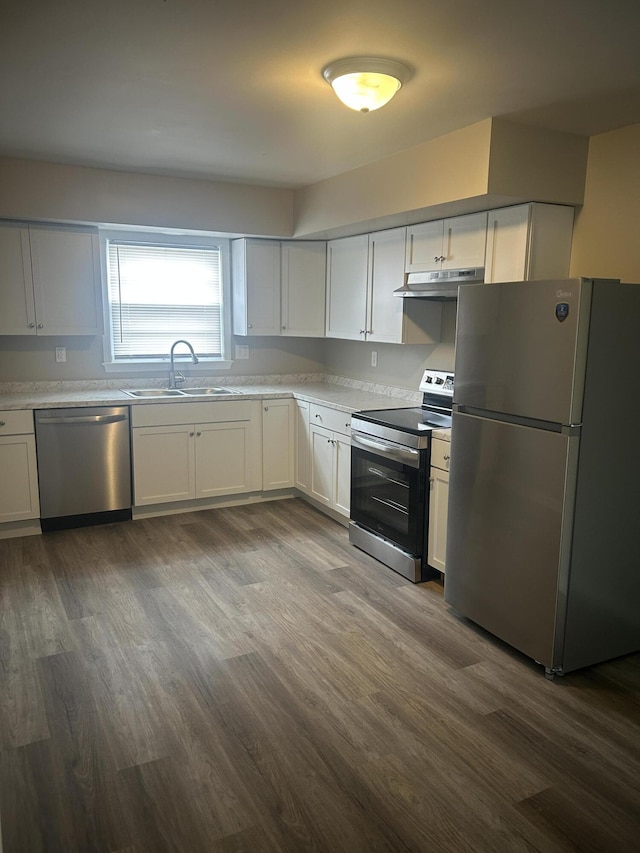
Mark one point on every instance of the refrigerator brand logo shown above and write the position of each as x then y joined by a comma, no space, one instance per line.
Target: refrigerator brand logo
562,310
562,294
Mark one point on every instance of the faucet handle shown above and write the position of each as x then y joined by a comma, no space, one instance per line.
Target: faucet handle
178,378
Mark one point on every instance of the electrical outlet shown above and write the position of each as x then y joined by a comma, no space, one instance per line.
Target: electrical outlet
242,351
61,353
374,359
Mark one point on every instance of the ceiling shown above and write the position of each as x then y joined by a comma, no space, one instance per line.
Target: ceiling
233,90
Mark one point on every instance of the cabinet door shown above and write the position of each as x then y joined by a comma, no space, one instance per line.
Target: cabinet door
277,444
303,446
507,244
342,490
438,502
256,287
223,459
304,273
17,309
424,246
66,274
386,274
322,465
163,464
18,478
347,287
465,239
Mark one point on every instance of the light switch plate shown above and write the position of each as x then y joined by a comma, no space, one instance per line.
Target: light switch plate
61,353
374,359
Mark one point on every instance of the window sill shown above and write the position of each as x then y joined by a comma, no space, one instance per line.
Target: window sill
155,367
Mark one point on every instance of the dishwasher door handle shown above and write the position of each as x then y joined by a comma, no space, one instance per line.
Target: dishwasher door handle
83,419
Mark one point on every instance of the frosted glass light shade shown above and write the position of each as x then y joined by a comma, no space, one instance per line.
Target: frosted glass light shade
364,83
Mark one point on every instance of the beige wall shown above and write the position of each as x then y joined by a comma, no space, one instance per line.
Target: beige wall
445,169
31,359
398,365
606,239
47,191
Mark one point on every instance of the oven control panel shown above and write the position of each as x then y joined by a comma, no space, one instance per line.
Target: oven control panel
437,382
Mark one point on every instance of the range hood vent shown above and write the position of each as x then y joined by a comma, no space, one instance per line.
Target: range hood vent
439,284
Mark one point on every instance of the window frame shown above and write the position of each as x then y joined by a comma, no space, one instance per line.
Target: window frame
180,240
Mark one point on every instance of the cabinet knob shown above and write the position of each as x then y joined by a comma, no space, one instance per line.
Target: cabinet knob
198,433
446,457
191,434
41,325
32,325
436,258
431,479
317,416
266,408
363,331
3,423
249,326
284,327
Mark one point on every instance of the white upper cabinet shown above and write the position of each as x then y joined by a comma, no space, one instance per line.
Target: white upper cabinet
447,243
255,269
49,281
347,271
362,274
303,277
278,288
529,242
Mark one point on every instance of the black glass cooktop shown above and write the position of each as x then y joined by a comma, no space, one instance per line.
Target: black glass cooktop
416,420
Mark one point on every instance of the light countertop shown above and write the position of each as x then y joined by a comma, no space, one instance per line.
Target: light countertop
342,397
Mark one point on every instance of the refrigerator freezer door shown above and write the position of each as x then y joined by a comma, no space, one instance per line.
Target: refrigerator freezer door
507,547
521,349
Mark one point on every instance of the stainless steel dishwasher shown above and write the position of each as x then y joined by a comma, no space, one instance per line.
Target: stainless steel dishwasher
84,466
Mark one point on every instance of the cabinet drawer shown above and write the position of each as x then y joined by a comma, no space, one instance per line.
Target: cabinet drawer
16,422
440,452
332,419
216,411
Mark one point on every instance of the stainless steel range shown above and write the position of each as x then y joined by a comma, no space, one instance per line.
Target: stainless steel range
390,457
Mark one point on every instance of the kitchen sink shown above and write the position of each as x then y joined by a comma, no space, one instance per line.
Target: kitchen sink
154,392
178,392
207,392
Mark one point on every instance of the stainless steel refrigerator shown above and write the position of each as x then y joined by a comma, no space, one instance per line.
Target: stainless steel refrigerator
543,540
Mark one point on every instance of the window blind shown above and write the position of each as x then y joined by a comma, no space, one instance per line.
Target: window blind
158,294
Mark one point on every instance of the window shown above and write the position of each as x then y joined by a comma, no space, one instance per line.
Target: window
159,292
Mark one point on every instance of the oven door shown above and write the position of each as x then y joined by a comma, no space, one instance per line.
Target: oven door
388,490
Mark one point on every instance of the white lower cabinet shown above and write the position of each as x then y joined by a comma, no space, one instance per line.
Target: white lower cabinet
211,450
302,446
438,504
330,458
278,444
18,469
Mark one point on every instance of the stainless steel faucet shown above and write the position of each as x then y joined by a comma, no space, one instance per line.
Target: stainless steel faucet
175,377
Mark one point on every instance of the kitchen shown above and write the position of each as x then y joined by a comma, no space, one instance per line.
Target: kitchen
334,629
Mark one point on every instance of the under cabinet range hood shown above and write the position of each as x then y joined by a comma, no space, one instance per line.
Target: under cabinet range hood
439,284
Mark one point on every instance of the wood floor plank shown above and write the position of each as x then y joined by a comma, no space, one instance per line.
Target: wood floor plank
244,679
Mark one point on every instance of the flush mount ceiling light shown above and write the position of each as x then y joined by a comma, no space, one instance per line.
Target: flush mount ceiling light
365,83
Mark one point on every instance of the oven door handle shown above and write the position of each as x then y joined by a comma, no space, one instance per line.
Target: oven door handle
405,455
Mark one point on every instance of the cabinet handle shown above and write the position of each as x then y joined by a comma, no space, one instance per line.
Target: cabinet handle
317,416
32,325
41,325
436,258
431,479
363,331
446,457
284,327
3,423
348,425
198,433
191,434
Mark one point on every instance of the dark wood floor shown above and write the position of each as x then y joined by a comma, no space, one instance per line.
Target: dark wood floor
245,680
